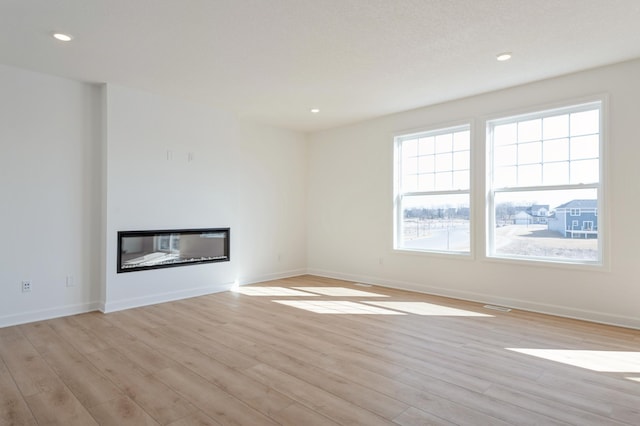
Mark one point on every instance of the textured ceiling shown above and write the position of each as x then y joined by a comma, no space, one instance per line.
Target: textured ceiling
273,60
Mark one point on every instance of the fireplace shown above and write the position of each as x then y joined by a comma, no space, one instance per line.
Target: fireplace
142,250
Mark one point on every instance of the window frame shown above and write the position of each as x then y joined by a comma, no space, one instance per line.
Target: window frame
600,103
398,225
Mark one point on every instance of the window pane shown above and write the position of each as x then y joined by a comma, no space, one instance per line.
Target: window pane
585,171
538,224
585,147
461,141
555,127
530,130
437,222
461,180
409,148
410,166
530,175
426,164
410,183
461,160
433,163
555,150
444,181
444,162
585,123
505,176
426,145
529,153
426,182
444,143
555,173
506,155
505,134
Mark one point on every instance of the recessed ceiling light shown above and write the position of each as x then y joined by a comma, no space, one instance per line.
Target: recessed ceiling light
505,56
62,37
315,110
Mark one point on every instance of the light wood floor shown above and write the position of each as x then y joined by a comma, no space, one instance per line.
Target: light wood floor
323,356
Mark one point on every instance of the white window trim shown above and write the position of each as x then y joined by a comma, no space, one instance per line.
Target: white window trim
397,195
542,111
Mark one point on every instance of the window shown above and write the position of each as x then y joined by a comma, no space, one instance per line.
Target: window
432,191
550,158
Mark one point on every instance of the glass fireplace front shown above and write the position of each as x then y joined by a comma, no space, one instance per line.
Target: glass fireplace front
141,250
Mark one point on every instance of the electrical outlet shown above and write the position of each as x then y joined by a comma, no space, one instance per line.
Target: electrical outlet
70,281
26,286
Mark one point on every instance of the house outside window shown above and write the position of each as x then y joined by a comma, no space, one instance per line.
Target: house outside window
432,202
553,159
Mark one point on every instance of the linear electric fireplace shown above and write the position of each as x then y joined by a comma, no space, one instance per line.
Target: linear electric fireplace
140,250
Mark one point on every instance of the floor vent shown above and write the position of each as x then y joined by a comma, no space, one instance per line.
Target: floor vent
363,285
497,308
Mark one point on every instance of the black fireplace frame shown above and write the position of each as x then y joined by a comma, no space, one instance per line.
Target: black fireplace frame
169,232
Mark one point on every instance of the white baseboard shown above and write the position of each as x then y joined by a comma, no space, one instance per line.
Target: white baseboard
119,305
46,314
272,276
561,311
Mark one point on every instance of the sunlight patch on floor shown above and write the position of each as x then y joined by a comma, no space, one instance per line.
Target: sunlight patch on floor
337,307
423,308
635,379
340,292
271,291
601,361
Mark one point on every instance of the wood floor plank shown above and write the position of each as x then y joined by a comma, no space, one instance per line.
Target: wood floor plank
297,414
98,327
155,398
414,417
562,412
121,412
31,374
365,397
325,403
74,370
59,406
13,408
71,332
243,358
232,381
212,400
197,419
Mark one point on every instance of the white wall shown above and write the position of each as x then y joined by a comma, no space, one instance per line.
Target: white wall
248,177
350,206
50,195
272,175
80,162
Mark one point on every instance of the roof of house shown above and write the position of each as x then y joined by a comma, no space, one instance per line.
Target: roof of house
579,204
539,206
534,210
